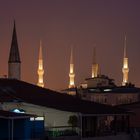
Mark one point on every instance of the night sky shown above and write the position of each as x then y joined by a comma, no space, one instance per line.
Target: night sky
61,24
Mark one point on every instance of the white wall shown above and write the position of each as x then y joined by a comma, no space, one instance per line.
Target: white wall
53,117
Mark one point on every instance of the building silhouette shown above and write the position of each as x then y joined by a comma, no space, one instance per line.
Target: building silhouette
14,63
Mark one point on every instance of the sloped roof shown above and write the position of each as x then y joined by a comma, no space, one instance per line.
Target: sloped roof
16,91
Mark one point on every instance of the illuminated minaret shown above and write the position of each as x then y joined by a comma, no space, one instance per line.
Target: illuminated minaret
94,65
40,68
125,68
14,63
71,74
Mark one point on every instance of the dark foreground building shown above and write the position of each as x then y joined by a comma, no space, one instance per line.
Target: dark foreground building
63,115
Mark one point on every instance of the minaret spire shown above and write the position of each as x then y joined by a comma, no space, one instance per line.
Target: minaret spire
124,47
40,67
125,68
94,64
14,70
94,55
71,56
71,74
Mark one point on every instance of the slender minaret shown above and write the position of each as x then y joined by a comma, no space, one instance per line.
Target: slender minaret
71,74
94,65
40,70
14,63
125,68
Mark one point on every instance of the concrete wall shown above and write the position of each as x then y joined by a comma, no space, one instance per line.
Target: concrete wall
53,117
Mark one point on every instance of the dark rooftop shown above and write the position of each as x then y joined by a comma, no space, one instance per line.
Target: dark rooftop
12,90
134,105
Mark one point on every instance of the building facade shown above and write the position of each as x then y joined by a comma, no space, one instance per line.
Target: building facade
103,90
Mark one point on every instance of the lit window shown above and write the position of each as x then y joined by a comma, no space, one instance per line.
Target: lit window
106,90
37,119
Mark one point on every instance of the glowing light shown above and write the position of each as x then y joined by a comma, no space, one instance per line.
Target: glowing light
40,68
18,110
71,73
37,119
125,65
94,70
92,89
106,90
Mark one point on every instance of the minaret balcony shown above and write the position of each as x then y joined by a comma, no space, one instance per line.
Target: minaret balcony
40,72
125,70
71,75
